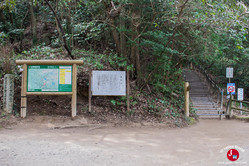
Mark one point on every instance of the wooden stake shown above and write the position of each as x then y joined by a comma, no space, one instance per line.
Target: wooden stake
128,90
74,91
23,92
231,105
186,98
90,92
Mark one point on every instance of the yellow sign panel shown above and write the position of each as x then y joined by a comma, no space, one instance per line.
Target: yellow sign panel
62,76
65,75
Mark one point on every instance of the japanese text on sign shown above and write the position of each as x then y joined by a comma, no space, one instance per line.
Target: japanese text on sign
49,78
111,83
240,94
229,72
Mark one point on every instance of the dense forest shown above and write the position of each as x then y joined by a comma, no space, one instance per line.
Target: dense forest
153,39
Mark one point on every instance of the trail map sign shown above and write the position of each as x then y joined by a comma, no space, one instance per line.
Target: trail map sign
108,83
231,88
49,78
229,72
240,94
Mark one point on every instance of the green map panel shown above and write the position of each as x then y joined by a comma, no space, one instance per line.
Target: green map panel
48,78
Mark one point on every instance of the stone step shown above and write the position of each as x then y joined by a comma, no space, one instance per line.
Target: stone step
199,94
202,102
208,115
205,104
217,111
200,97
197,85
199,90
206,108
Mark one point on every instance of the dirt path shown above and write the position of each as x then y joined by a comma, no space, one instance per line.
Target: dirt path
198,145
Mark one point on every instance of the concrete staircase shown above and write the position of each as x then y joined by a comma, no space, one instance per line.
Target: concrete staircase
200,97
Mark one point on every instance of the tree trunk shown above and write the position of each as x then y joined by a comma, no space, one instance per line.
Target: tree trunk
135,56
57,24
33,23
115,36
67,15
122,37
138,66
61,29
133,53
2,17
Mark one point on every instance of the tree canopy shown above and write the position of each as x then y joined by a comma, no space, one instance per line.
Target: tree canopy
152,38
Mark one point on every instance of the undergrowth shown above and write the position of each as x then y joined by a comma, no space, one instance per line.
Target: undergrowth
157,100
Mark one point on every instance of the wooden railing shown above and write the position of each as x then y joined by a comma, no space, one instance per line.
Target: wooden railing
230,106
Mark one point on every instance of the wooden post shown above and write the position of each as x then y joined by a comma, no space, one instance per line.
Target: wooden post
186,98
23,92
230,107
128,90
74,91
90,92
221,103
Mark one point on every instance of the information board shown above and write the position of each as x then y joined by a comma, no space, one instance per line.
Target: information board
49,78
229,72
108,83
240,94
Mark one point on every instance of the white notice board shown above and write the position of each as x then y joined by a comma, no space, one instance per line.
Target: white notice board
240,94
108,83
229,72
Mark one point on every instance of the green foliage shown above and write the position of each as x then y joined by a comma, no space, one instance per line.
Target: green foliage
3,38
16,34
99,61
88,31
152,39
8,4
40,51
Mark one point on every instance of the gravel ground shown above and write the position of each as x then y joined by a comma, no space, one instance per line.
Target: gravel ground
203,144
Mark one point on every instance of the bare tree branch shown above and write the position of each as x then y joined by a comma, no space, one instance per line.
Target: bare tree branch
61,29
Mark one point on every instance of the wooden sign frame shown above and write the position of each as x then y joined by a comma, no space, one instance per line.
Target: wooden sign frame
24,92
